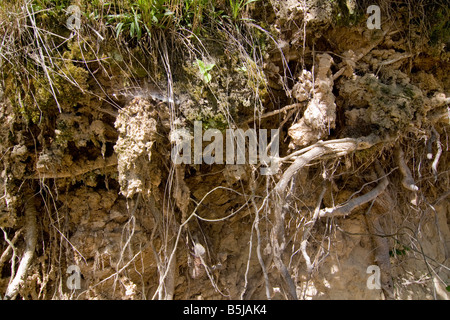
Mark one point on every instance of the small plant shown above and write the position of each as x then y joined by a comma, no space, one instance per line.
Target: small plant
399,251
194,13
204,70
155,12
131,21
237,6
144,15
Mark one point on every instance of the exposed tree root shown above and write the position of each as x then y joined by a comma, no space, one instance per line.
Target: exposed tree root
30,240
275,112
407,181
322,148
351,205
438,153
382,257
10,247
381,243
307,233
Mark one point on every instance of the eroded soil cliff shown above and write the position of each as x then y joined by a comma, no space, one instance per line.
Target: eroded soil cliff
88,180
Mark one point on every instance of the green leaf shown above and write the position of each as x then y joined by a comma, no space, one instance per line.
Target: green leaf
201,65
447,288
132,30
139,32
204,68
207,78
250,1
136,19
208,67
147,29
119,29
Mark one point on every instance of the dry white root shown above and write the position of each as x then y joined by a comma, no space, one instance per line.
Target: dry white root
346,209
407,181
30,240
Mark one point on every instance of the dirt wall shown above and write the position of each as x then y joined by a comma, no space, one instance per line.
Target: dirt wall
367,217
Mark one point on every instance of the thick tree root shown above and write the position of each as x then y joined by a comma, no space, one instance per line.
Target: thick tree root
30,240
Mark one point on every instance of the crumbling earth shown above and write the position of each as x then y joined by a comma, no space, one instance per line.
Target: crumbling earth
363,178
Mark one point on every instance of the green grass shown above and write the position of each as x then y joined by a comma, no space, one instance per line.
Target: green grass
237,6
134,19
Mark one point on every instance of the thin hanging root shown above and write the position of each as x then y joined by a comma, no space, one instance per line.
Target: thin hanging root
407,181
10,247
258,251
30,240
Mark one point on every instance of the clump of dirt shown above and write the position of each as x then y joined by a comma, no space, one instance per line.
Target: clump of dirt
320,114
137,125
391,108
